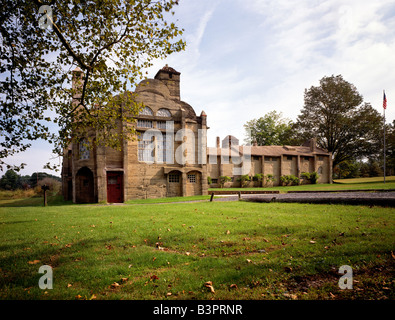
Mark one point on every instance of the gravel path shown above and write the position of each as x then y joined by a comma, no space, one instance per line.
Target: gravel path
364,198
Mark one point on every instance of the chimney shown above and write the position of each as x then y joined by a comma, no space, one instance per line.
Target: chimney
171,78
218,144
313,144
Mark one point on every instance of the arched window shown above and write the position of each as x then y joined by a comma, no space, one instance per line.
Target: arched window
319,170
146,112
163,113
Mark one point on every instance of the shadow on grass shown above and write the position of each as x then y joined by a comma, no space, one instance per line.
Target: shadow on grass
35,202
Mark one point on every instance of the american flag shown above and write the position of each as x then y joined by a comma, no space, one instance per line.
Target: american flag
384,101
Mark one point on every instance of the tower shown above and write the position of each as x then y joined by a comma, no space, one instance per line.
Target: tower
171,78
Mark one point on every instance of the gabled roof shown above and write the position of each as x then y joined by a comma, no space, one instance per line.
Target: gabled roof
273,151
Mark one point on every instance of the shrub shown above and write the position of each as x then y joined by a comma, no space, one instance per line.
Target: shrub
289,180
209,180
244,179
312,177
223,180
269,178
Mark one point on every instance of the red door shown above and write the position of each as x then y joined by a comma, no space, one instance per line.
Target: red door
114,187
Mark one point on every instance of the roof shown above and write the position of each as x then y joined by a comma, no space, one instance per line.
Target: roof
275,151
168,69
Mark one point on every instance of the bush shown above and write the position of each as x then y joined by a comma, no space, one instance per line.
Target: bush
269,178
244,180
289,180
223,180
312,177
209,180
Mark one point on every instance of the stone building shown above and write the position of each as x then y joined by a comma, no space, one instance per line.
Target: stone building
161,162
170,155
274,160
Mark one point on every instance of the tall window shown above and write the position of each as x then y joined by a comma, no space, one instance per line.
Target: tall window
161,145
84,150
144,123
146,149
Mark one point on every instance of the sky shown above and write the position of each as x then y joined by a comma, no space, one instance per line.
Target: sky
245,58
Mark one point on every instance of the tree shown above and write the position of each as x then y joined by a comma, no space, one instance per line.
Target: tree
334,113
110,41
270,129
390,149
10,180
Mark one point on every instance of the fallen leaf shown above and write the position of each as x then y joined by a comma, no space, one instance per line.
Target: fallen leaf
187,253
312,241
93,297
233,286
154,258
124,279
209,284
34,262
154,277
227,232
168,294
78,297
69,285
115,285
249,261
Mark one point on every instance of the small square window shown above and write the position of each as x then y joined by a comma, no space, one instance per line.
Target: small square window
289,158
174,178
191,178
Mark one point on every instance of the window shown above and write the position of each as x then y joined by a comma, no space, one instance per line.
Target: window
306,158
84,150
174,178
214,180
321,158
162,149
163,113
144,123
146,149
268,159
256,158
192,178
146,112
112,180
163,124
289,158
319,170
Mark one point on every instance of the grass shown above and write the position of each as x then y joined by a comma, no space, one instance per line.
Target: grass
346,184
169,251
367,180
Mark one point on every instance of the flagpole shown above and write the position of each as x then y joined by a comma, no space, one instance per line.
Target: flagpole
384,107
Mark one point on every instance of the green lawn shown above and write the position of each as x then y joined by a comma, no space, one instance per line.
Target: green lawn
344,184
169,251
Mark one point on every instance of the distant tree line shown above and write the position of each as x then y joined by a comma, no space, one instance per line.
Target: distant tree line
335,114
13,181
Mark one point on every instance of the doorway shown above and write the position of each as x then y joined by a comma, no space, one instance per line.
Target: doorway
115,187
